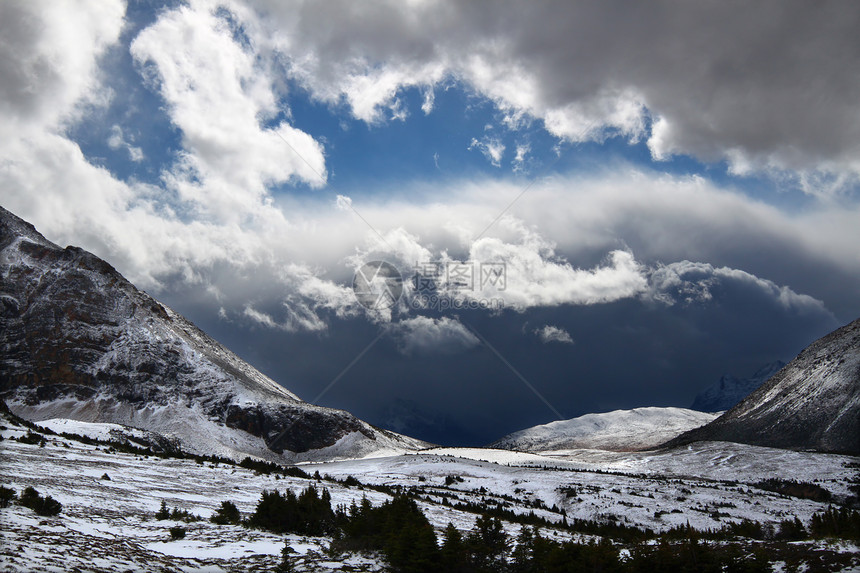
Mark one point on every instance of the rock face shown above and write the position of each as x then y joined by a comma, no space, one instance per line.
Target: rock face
620,431
812,403
77,340
729,391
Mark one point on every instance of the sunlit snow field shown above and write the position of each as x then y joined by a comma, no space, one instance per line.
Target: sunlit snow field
109,525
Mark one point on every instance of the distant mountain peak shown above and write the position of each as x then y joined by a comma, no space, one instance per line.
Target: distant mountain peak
730,390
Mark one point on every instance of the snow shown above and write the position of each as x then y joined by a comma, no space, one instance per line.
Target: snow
166,375
109,525
96,431
620,430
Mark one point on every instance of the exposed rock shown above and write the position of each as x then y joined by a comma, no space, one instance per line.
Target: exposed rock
813,403
79,341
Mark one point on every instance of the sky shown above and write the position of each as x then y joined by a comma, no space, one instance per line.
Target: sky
582,206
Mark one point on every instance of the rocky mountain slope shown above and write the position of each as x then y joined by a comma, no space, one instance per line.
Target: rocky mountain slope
77,340
620,431
812,403
730,390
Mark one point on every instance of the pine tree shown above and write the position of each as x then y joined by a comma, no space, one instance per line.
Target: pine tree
227,514
488,544
454,556
163,512
523,553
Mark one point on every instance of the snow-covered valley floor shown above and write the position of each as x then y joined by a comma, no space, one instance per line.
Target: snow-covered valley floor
109,524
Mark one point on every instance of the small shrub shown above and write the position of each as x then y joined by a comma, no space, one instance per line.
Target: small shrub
7,495
44,506
183,515
803,490
177,532
31,438
49,507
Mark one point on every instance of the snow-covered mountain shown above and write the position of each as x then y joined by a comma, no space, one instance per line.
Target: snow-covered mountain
812,403
730,390
620,430
79,341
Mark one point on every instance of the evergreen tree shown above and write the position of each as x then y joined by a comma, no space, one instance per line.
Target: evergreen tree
488,544
523,555
309,514
454,556
163,512
227,514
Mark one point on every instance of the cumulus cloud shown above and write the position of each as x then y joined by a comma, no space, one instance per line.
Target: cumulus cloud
663,72
213,221
549,333
688,282
424,335
535,276
48,60
218,93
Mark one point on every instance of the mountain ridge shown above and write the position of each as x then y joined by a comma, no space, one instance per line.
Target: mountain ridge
812,403
730,390
618,430
80,341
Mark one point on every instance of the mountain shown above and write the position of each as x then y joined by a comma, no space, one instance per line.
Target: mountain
620,431
729,391
812,403
79,341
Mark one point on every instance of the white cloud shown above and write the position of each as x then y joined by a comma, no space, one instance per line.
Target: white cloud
259,317
549,333
536,276
689,282
117,141
218,93
491,148
48,60
343,203
588,72
423,335
519,160
215,224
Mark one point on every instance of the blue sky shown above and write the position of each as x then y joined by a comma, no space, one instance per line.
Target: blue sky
668,206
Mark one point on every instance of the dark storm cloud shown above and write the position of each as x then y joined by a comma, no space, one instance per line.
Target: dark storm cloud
631,353
763,82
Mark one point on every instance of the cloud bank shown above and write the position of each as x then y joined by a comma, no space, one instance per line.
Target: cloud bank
214,218
663,72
